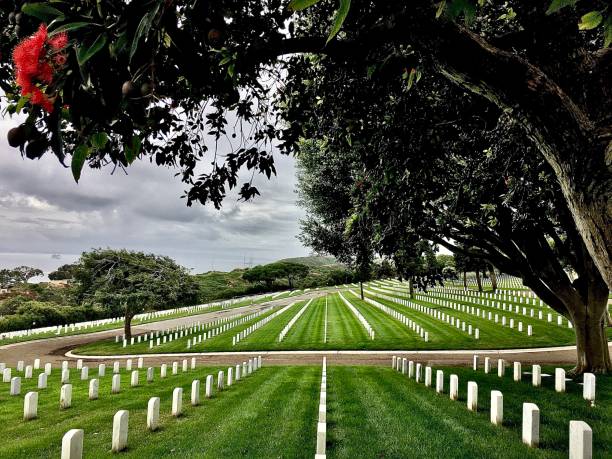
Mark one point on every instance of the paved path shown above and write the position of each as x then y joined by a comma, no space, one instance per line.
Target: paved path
55,350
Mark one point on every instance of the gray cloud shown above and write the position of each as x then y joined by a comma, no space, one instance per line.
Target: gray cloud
42,212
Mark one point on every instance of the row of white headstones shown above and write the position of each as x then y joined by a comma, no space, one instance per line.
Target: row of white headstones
209,330
411,324
581,434
322,421
92,324
476,311
72,442
432,312
368,328
257,325
294,319
448,294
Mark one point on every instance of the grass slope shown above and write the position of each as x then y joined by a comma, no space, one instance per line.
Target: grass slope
371,412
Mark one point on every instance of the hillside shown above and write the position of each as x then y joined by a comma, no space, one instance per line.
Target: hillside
217,284
313,261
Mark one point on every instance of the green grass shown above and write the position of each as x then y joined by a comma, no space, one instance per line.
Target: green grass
372,412
345,332
267,414
379,413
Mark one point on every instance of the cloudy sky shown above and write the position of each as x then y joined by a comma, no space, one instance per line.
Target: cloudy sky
44,212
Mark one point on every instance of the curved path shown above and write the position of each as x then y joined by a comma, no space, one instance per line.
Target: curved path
55,350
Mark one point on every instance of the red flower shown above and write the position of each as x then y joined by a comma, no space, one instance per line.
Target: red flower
36,59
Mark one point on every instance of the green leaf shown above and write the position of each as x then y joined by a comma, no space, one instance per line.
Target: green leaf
41,10
340,16
298,5
143,29
78,161
608,32
84,53
98,140
72,26
411,77
590,20
556,5
21,103
132,150
441,8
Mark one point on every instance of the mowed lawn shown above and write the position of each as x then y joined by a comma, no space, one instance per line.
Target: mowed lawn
345,332
372,412
270,413
380,413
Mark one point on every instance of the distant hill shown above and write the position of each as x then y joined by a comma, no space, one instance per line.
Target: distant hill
217,284
313,261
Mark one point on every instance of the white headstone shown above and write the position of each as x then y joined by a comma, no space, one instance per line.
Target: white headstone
580,440
209,386
65,376
439,381
84,373
428,376
472,396
220,381
72,444
531,425
588,389
42,381
101,370
66,396
116,384
501,368
195,392
163,370
6,375
454,387
30,406
518,372
28,372
48,367
487,365
120,431
497,407
559,379
134,378
153,414
536,375
116,367
150,374
94,386
177,401
15,386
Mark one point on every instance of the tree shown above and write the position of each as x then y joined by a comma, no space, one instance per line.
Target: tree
459,173
130,283
64,272
261,274
273,271
330,192
18,275
186,65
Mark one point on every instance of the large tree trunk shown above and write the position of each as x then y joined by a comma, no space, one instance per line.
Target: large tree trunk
593,354
127,326
465,286
361,289
478,281
410,288
493,278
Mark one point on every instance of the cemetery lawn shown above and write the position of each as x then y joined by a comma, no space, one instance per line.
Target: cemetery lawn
382,413
345,332
371,412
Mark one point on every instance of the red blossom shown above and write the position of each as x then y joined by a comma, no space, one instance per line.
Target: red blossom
36,59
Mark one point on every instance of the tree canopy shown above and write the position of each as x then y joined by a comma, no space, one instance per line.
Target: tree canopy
19,275
129,283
